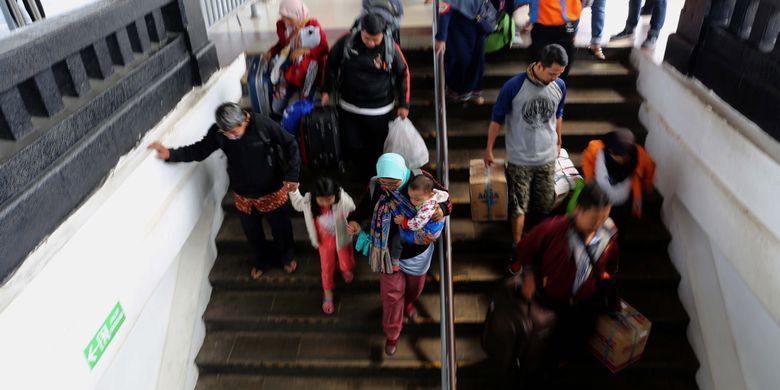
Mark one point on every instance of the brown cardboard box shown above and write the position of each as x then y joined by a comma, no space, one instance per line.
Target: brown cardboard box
620,338
487,205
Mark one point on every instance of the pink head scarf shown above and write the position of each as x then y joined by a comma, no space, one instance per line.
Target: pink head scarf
294,9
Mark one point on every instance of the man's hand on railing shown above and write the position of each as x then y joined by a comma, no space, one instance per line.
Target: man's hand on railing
441,47
162,152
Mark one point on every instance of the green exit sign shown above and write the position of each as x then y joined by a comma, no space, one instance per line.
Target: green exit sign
99,343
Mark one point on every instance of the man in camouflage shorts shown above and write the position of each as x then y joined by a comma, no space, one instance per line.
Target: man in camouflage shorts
531,106
530,188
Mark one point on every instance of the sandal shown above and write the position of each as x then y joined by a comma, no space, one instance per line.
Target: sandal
596,51
327,306
255,273
290,268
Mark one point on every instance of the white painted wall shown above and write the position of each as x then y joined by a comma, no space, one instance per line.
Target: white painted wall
720,182
144,239
58,7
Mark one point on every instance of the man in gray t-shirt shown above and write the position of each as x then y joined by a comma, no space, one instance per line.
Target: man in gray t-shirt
531,105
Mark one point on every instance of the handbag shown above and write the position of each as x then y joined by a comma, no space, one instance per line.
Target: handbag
487,16
607,296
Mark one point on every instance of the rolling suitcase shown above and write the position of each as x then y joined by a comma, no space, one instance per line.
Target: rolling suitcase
259,85
320,131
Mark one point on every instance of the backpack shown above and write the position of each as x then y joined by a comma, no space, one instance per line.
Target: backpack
392,7
355,34
275,156
503,34
348,49
390,10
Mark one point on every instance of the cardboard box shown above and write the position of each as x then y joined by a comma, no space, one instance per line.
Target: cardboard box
620,337
487,189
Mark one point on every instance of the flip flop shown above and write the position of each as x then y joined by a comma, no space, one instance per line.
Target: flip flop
256,274
327,306
292,267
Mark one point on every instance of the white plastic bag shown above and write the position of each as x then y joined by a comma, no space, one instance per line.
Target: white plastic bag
404,139
566,176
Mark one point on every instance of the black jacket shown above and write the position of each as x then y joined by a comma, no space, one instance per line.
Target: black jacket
365,210
258,162
364,80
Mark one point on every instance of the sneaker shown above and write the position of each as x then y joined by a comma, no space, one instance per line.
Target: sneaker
625,34
391,346
649,43
474,97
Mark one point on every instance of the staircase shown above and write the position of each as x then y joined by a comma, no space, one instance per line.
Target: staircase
271,334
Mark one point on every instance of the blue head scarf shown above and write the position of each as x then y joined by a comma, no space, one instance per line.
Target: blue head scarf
393,166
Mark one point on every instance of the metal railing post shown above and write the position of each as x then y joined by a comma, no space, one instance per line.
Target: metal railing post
449,368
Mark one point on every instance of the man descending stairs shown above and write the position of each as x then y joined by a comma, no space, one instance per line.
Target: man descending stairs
272,334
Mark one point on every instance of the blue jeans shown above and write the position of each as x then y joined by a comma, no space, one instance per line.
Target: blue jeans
656,20
597,21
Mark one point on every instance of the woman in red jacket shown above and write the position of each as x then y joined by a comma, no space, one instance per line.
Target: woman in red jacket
301,49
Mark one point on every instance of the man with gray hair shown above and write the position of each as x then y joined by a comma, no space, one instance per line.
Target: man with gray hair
263,166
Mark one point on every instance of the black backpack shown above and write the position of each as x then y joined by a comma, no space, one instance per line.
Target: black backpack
275,153
355,34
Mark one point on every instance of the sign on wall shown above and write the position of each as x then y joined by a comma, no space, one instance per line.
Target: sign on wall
99,343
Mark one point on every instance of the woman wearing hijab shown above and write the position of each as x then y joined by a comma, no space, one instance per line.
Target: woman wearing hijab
462,40
302,42
401,280
622,169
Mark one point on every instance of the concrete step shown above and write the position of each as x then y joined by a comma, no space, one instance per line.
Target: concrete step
645,235
266,382
361,311
343,354
470,132
621,104
471,272
584,74
424,56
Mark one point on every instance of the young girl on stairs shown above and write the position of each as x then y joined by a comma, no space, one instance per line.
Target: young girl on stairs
325,210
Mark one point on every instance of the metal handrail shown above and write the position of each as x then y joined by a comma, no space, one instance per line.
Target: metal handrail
448,367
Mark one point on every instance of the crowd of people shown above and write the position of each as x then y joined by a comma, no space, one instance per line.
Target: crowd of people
365,75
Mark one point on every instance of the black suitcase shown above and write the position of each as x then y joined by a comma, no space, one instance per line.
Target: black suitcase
320,130
516,334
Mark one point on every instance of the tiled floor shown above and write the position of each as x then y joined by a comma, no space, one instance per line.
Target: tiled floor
241,32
